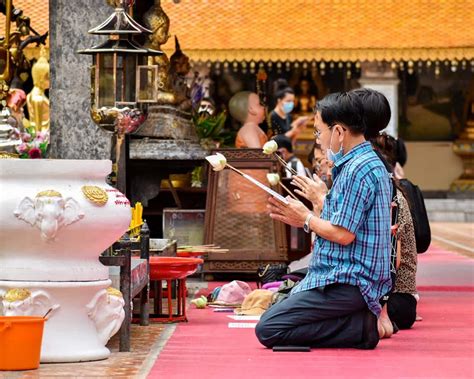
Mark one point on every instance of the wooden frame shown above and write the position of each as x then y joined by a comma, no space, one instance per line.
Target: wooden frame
123,258
237,217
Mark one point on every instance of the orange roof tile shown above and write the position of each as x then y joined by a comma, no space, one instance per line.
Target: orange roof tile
322,29
36,10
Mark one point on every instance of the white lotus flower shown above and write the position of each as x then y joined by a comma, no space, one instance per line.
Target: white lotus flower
273,179
270,147
217,161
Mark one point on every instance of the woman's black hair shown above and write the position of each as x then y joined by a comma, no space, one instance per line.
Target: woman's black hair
376,111
401,152
281,89
385,146
343,108
311,153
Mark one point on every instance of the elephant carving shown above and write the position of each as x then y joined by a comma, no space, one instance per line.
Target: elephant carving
107,313
49,212
23,302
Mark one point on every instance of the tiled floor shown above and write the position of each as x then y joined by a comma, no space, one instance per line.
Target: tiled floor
454,236
145,346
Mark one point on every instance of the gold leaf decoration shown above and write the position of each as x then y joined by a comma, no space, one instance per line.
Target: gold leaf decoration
7,155
49,193
17,294
95,195
114,292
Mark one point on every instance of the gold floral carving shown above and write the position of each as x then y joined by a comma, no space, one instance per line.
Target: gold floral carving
114,292
7,155
95,195
16,294
49,193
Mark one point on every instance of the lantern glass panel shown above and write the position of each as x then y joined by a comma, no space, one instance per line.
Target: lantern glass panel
146,85
125,85
106,93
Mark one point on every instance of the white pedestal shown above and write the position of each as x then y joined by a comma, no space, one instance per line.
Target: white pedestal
56,218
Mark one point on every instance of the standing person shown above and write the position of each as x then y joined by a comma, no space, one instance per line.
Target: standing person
280,118
285,148
337,303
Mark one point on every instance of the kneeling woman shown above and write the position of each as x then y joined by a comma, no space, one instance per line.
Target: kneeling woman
401,305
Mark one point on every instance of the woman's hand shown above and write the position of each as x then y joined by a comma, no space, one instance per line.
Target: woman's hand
300,122
313,190
294,213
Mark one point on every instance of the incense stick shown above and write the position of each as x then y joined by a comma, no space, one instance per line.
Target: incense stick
287,190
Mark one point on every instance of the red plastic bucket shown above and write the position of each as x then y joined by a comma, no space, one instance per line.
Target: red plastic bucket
20,342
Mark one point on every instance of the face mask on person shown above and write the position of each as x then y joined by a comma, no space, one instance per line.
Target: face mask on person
331,155
288,106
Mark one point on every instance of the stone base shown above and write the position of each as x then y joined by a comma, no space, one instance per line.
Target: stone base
165,121
70,334
9,145
450,210
168,149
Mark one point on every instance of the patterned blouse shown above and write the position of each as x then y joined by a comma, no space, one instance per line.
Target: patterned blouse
406,274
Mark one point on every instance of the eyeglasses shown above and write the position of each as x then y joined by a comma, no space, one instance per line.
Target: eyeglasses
318,133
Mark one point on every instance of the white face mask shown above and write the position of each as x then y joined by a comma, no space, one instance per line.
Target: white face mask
331,155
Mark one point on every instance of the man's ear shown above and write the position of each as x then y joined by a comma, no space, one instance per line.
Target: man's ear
341,132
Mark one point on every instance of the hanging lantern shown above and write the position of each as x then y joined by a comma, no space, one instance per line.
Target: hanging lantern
121,81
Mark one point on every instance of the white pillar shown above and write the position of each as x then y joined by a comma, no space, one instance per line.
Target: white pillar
381,77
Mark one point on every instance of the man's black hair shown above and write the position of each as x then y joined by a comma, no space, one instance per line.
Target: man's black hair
344,108
376,111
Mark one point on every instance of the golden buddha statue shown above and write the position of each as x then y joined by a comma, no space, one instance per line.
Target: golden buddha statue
304,101
36,101
156,19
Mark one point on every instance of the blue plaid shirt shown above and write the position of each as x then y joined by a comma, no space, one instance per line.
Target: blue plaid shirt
359,201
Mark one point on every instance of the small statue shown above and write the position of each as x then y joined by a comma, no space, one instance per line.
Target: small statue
156,19
245,107
179,68
304,102
207,107
16,100
37,102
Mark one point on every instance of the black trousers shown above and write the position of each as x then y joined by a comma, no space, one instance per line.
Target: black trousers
333,316
401,309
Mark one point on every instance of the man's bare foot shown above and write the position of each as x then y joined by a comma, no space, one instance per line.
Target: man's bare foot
380,329
385,323
418,318
387,327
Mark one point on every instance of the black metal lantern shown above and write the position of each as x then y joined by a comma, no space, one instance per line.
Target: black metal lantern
121,81
122,84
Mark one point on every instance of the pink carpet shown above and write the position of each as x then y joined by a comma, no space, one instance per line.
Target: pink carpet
440,346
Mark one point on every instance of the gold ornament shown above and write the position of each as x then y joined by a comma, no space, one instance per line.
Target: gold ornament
7,155
95,195
49,193
114,292
16,294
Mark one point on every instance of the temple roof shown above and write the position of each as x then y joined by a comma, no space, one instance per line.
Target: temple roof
310,29
323,29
